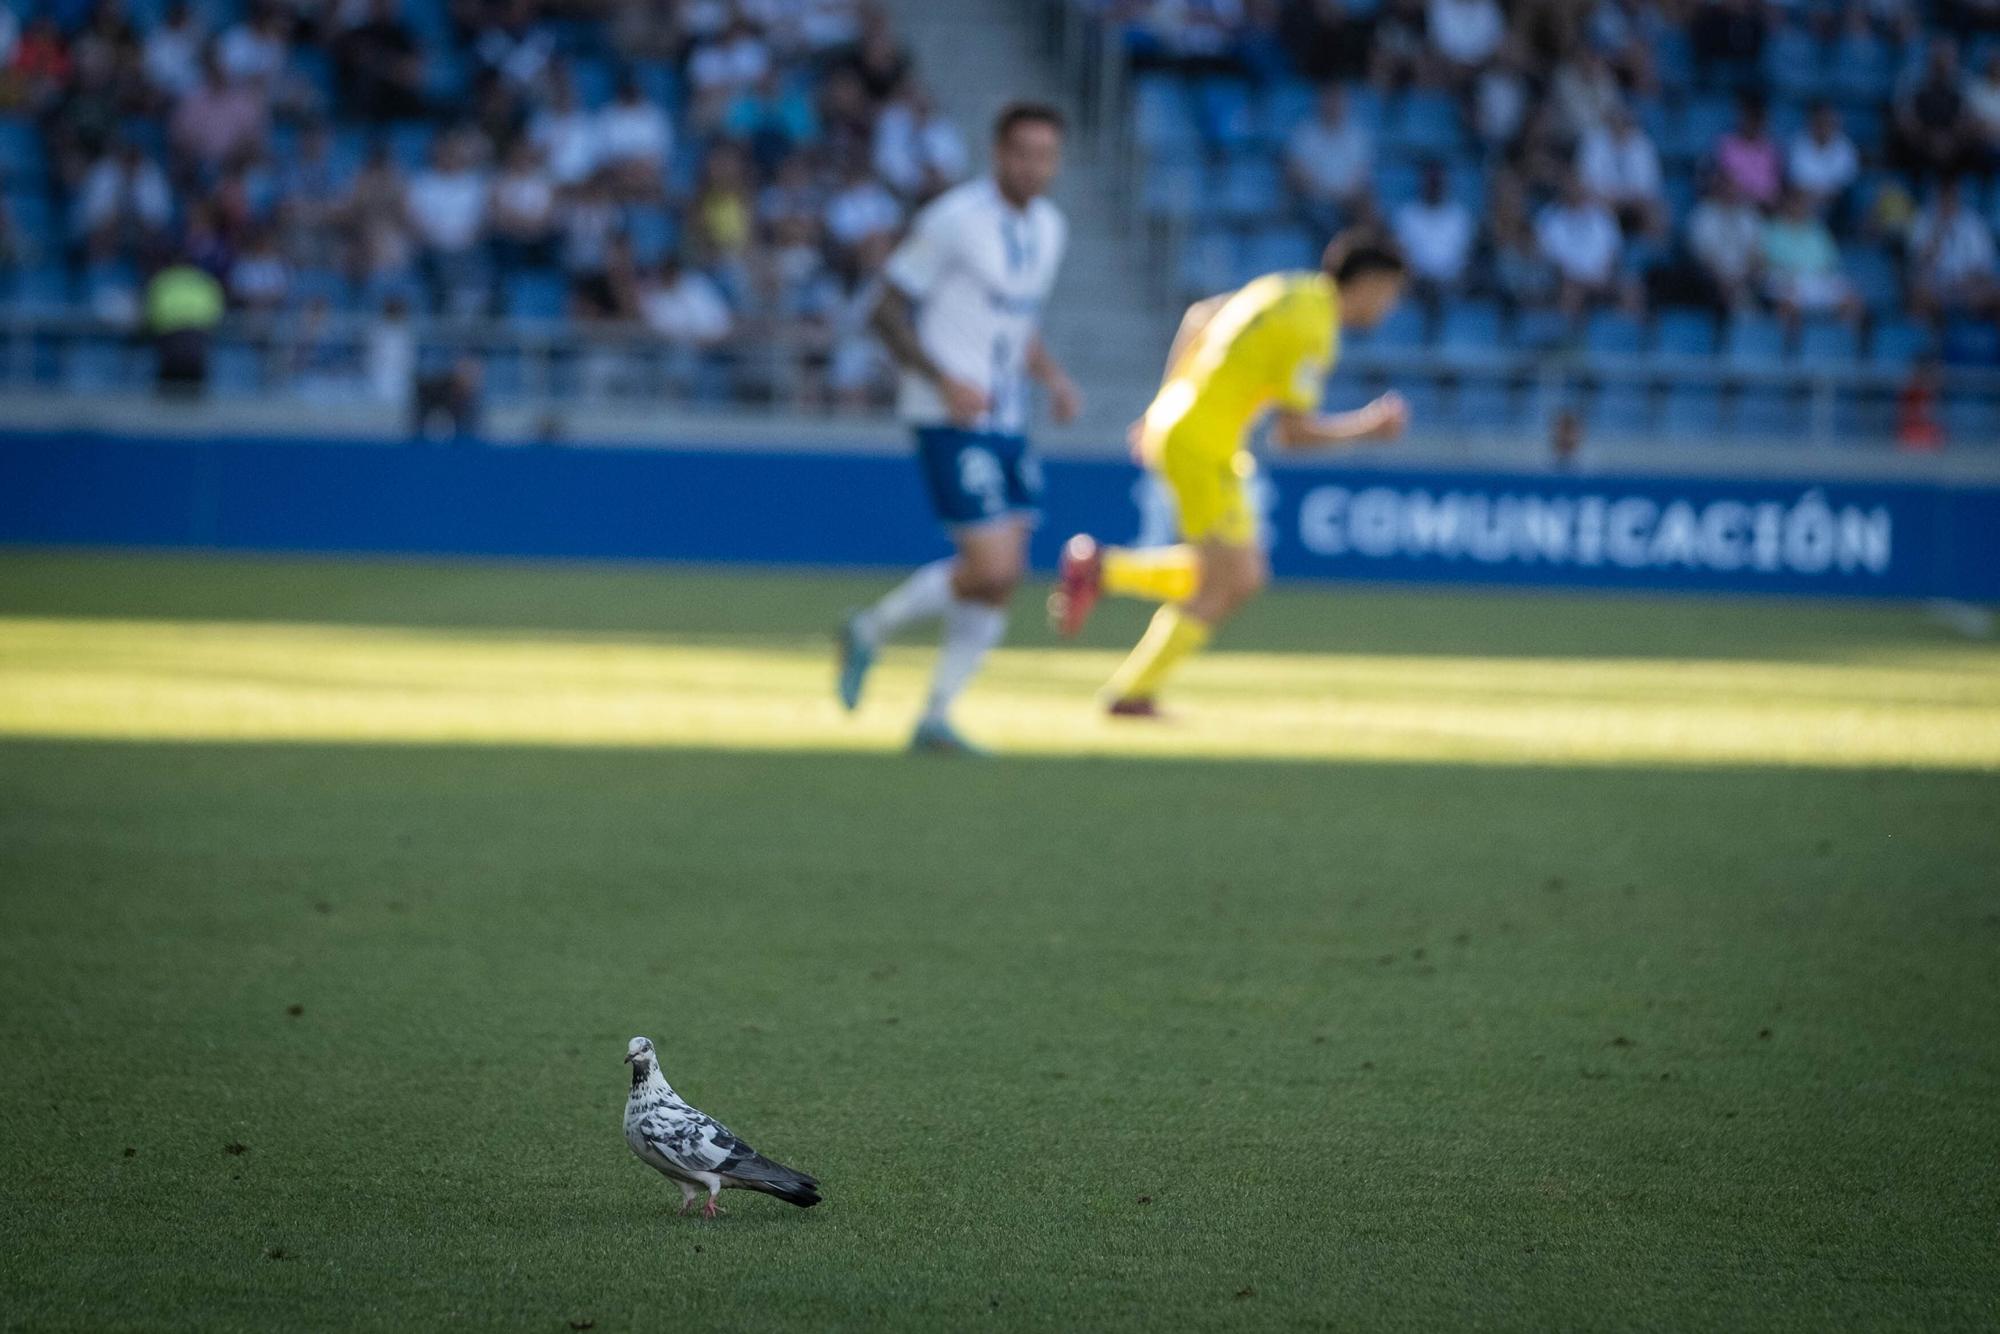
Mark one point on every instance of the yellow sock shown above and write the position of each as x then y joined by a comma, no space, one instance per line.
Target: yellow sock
1172,636
1158,574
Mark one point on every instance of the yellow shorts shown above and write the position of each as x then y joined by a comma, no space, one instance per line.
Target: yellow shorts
1212,487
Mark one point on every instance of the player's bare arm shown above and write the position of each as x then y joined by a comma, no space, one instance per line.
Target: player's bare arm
1065,399
1383,419
1192,323
894,322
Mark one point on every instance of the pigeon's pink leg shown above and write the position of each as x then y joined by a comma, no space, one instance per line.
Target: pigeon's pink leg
709,1209
688,1193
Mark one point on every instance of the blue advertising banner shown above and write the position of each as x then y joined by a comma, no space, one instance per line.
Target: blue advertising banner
1856,539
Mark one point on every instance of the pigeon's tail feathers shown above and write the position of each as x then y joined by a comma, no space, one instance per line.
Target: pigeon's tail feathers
756,1172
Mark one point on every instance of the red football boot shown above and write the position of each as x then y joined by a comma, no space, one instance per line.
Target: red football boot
1078,585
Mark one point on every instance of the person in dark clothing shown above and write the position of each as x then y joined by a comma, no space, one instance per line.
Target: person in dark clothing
381,65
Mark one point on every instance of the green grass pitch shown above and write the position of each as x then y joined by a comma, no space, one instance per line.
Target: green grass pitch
1500,961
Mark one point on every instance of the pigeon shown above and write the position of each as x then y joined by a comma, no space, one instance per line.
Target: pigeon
694,1150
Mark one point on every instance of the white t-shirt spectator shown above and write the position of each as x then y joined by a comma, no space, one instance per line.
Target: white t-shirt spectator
725,66
1332,161
861,210
259,278
633,132
1580,240
1822,170
448,208
1726,237
1466,32
1624,169
247,52
525,200
172,57
1436,239
909,150
1950,248
110,190
690,309
567,137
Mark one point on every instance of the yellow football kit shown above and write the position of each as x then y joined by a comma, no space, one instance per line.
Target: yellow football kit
1270,345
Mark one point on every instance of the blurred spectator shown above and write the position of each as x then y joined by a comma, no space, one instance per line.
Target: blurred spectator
566,133
723,212
447,204
1624,32
1823,163
389,354
1565,440
632,143
846,116
862,208
1500,99
1748,156
183,306
41,68
253,51
380,65
1918,429
1586,94
512,49
1464,36
1728,38
374,221
311,191
858,371
1982,110
1520,273
1579,238
735,60
1619,165
523,210
1802,265
881,63
1327,42
220,120
1400,48
445,407
172,53
259,280
590,224
1951,256
1435,232
774,118
1726,243
1933,135
792,195
124,201
918,150
683,306
1329,161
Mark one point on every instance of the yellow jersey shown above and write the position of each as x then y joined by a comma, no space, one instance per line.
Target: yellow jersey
1270,345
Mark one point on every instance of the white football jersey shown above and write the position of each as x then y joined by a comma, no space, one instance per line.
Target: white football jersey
978,271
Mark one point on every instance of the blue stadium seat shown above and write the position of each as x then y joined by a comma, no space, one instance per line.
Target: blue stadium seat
1862,68
1621,408
536,294
654,233
1542,329
314,68
1270,249
1691,410
1794,62
1162,118
94,367
1403,331
1365,107
1972,419
594,78
1971,342
1826,344
1753,339
1426,123
236,370
660,82
1611,334
1866,124
1397,183
1484,406
36,218
447,76
410,144
1175,188
1770,413
1283,106
42,289
1707,117
1685,333
1471,326
1250,188
1897,344
21,155
1224,112
1673,58
1207,264
1468,179
1876,278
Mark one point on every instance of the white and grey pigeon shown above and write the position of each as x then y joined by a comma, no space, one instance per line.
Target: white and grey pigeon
694,1150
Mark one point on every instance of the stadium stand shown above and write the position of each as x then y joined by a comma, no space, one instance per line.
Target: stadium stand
1735,206
645,197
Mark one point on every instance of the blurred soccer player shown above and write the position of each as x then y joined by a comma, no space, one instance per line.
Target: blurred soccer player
960,313
1269,345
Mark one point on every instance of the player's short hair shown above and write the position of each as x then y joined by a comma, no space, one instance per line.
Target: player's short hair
1016,114
1359,252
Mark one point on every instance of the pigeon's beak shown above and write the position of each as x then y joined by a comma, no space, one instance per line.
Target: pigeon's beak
628,1058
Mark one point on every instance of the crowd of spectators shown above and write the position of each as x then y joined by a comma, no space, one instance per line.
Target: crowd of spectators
1543,182
690,168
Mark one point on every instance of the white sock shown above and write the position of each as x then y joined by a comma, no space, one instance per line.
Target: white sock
971,629
925,594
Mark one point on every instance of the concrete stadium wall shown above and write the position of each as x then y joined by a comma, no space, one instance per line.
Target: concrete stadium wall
1892,539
